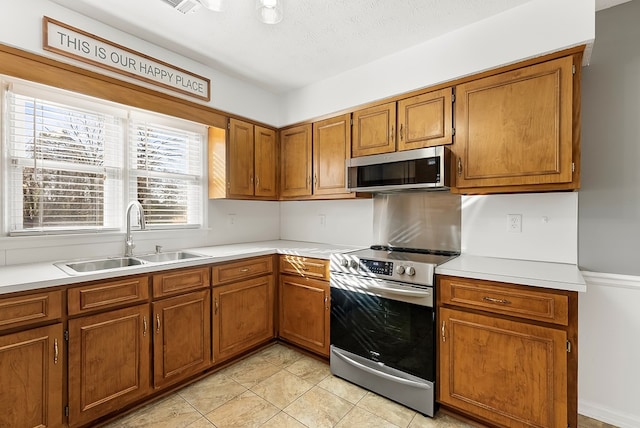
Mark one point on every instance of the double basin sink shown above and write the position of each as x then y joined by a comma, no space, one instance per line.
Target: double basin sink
111,263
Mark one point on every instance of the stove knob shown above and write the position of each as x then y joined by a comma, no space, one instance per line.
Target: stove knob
354,264
344,263
400,270
410,271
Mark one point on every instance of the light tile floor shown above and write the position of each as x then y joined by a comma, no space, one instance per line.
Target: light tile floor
279,387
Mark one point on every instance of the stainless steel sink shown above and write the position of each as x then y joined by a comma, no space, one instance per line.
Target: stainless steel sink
86,266
168,256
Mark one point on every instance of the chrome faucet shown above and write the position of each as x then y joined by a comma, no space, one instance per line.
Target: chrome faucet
128,243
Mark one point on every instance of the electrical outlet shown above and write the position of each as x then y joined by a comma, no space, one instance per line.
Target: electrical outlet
514,223
231,219
323,220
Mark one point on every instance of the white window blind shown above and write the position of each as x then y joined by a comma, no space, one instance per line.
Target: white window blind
166,170
65,163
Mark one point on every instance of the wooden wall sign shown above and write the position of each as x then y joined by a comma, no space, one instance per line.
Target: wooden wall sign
77,44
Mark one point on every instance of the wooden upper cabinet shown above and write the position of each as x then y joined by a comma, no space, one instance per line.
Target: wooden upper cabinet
515,128
425,120
245,166
241,158
331,146
265,162
374,130
295,160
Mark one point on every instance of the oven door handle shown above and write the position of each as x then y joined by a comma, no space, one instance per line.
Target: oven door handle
399,291
378,373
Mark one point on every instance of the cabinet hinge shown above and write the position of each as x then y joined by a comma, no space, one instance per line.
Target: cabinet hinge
573,167
568,346
66,410
66,335
228,125
453,131
573,69
351,120
453,98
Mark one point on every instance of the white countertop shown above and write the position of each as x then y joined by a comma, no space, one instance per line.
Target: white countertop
32,276
559,276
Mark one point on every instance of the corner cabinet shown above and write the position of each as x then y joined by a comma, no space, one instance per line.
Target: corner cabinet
313,159
508,353
243,302
304,303
515,130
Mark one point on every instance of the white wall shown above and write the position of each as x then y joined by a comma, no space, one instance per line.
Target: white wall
533,29
609,349
21,27
233,221
341,222
549,226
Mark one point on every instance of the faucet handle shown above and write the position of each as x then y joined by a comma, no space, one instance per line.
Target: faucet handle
158,249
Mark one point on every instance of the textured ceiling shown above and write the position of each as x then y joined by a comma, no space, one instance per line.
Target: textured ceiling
317,39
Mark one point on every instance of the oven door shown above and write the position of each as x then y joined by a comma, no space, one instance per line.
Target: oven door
388,323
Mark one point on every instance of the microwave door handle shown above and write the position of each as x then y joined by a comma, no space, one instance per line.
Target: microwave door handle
378,373
399,291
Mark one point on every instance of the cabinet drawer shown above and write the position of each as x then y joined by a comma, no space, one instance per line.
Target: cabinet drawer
30,309
304,266
180,281
103,295
242,269
513,300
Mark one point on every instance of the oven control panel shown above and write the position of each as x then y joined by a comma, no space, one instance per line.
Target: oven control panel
377,266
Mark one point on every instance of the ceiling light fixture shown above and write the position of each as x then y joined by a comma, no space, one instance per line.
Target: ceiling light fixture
269,11
215,5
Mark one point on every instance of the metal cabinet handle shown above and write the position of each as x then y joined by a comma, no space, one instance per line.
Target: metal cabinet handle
216,306
444,338
257,181
56,351
492,300
401,132
157,323
326,302
315,180
251,179
144,325
459,166
392,135
245,270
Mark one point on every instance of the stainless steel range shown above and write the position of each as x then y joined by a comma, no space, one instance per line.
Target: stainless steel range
382,299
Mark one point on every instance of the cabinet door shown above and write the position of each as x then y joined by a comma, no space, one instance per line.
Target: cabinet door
182,337
243,316
331,145
241,161
266,165
374,130
108,362
510,373
31,371
295,158
425,120
515,128
304,312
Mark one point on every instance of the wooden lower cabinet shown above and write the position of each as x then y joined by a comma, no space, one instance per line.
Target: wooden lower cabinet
108,362
31,365
304,312
182,337
242,316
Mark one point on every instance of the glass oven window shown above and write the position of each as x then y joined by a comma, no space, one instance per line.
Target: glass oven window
397,334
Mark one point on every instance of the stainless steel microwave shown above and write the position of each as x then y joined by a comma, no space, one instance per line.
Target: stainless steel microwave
426,169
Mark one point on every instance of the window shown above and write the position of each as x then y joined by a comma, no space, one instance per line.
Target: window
73,162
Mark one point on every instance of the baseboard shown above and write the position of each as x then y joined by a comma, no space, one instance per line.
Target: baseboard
610,416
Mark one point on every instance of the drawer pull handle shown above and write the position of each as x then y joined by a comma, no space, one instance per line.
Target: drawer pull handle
245,270
55,351
158,323
144,326
492,300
